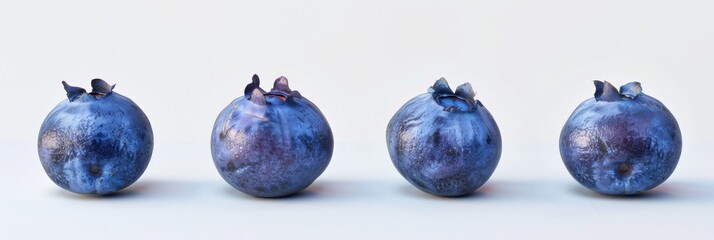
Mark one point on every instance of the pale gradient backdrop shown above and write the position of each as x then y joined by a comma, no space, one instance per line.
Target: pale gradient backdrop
530,62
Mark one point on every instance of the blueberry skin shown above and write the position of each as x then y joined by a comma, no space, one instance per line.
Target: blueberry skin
620,143
444,143
95,143
271,144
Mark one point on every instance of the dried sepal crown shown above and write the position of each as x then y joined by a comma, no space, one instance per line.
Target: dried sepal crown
100,89
604,91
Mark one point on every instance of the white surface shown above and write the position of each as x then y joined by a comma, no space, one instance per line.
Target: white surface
188,200
531,63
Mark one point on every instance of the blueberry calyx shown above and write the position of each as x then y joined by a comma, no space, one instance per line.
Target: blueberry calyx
465,90
281,84
440,87
73,92
279,94
281,90
100,88
462,100
255,84
257,97
631,90
604,91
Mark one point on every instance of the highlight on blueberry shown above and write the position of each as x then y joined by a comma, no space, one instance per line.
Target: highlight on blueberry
443,142
620,142
271,144
95,143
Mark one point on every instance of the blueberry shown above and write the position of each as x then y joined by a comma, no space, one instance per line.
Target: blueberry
271,144
620,143
444,143
95,143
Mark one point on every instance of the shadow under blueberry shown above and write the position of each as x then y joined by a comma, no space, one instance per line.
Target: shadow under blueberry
690,191
482,192
317,190
658,193
132,191
141,189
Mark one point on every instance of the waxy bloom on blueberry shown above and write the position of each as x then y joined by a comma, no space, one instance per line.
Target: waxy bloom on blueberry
271,144
620,143
443,142
95,143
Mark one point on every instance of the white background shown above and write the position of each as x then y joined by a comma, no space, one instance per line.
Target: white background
531,63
